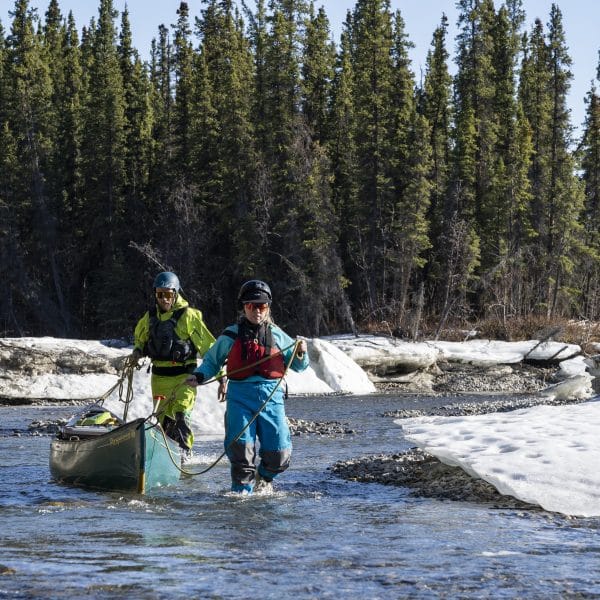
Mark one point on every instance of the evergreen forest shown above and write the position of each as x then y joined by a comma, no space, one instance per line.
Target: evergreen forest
251,144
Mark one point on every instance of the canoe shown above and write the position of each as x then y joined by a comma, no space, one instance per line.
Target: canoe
130,457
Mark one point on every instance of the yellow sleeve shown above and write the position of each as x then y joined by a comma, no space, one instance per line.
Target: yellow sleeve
198,332
142,332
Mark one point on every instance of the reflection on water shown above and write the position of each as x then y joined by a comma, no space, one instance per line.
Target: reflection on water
316,537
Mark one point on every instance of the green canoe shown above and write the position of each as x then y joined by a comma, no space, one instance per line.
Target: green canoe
131,457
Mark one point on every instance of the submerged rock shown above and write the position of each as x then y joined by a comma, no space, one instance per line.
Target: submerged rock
301,426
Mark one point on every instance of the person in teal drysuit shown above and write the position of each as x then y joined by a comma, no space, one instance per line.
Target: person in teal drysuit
241,345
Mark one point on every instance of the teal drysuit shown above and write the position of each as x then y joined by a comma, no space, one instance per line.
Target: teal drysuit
244,399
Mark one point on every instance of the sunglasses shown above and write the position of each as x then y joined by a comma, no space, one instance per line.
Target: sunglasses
260,305
167,295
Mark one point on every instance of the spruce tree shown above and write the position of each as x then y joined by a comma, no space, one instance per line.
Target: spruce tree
534,85
318,63
3,83
507,231
342,150
138,117
161,101
103,166
257,35
373,105
182,71
138,218
11,258
297,215
281,194
434,103
475,93
406,227
459,237
29,126
223,152
565,201
557,196
68,147
65,57
53,43
590,164
514,295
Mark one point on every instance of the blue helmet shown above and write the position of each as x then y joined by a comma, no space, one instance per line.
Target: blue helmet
166,279
255,290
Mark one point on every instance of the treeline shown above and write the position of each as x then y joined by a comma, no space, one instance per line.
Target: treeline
249,144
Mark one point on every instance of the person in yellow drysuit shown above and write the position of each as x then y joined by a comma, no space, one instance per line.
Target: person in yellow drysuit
172,334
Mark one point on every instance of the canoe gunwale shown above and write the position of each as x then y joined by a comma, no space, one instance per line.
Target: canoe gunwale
129,457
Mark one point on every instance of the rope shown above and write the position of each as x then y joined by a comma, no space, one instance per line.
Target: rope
129,365
172,396
254,416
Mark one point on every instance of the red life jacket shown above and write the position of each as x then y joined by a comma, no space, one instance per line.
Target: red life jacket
250,346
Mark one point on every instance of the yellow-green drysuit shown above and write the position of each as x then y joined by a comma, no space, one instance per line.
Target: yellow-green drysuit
168,376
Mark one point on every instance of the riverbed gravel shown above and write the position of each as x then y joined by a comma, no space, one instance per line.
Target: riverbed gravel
424,475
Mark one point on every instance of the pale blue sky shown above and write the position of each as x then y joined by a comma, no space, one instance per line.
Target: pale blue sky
581,20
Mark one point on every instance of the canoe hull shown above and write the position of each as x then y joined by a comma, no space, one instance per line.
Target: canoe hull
132,458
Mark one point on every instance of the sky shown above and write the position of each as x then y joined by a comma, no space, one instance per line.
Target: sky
544,455
581,20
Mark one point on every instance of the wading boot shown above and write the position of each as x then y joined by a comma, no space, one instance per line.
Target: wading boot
262,485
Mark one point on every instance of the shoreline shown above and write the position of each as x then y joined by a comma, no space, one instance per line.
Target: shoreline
466,389
425,475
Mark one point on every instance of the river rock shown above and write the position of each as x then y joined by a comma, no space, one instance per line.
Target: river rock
424,475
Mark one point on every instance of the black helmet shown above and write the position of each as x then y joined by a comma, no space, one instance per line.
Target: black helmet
166,279
254,290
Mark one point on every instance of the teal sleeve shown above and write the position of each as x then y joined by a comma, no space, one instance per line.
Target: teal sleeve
287,345
215,357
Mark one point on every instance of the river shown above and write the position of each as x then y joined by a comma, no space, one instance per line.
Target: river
316,536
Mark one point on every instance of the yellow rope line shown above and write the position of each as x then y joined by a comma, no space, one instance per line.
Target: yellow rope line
127,373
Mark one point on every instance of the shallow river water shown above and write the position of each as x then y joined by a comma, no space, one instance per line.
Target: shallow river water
316,536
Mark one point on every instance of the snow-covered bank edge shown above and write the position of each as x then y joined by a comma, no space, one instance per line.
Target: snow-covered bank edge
483,452
59,369
425,475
